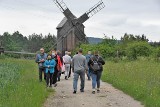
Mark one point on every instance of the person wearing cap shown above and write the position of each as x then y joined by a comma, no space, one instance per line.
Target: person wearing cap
67,62
40,59
96,72
79,66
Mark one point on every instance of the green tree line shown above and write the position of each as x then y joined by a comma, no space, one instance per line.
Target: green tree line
31,43
129,46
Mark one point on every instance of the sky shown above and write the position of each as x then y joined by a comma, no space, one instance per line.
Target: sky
118,17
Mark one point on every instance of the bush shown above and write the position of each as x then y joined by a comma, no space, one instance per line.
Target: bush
137,49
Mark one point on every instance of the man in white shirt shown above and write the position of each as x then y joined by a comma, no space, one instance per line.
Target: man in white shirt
67,62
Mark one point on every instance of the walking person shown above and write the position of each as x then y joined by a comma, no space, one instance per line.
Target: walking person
96,64
49,65
70,71
40,59
79,65
57,67
67,63
60,71
88,56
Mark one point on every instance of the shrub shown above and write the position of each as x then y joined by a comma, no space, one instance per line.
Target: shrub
137,49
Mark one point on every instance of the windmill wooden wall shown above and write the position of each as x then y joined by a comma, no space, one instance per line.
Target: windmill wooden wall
67,41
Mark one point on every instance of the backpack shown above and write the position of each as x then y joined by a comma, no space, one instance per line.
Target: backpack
95,66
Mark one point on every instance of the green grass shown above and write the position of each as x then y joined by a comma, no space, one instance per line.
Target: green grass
19,84
140,79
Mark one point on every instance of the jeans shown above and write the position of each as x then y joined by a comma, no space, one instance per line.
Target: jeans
42,70
49,78
96,79
89,74
75,80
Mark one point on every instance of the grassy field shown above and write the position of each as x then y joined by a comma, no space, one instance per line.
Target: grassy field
19,85
140,79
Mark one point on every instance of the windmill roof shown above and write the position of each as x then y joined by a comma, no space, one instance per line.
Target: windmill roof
60,25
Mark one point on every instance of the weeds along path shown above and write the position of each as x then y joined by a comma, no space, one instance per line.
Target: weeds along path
108,97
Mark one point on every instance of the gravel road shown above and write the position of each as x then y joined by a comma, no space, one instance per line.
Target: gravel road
108,96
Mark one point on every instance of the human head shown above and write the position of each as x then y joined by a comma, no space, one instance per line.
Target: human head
66,52
69,53
42,50
96,52
89,52
49,56
58,52
80,51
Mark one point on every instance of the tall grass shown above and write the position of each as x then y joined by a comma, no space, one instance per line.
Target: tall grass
140,79
19,85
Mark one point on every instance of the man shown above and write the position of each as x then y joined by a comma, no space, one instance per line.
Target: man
79,64
96,63
69,53
40,59
67,63
88,56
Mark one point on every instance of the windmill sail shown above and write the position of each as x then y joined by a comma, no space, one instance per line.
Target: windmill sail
92,11
64,9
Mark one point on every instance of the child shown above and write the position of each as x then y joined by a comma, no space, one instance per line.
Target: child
49,65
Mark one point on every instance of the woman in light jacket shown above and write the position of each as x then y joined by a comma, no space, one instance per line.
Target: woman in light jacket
49,65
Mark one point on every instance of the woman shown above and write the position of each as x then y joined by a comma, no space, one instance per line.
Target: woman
96,64
58,66
50,66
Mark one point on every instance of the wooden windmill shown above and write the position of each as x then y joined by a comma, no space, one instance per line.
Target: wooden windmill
70,31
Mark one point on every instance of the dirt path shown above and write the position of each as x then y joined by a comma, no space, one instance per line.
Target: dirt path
108,97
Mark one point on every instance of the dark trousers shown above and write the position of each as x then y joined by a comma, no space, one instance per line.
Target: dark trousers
49,78
55,76
42,70
59,76
69,72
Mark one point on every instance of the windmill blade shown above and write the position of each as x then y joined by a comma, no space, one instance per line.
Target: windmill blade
64,9
79,33
83,18
96,8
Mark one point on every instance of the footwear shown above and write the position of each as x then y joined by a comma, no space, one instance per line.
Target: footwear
98,91
66,78
74,92
55,85
93,92
82,91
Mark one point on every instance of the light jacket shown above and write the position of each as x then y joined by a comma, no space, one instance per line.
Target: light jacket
39,57
51,63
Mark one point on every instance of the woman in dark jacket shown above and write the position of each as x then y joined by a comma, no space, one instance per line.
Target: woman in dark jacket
96,64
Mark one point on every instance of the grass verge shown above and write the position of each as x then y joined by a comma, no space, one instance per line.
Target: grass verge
19,85
140,79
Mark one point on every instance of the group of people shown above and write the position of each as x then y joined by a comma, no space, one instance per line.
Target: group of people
54,64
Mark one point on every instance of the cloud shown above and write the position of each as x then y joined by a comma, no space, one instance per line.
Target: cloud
117,18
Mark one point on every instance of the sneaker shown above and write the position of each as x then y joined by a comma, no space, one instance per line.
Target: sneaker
74,92
82,91
55,85
98,91
93,92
